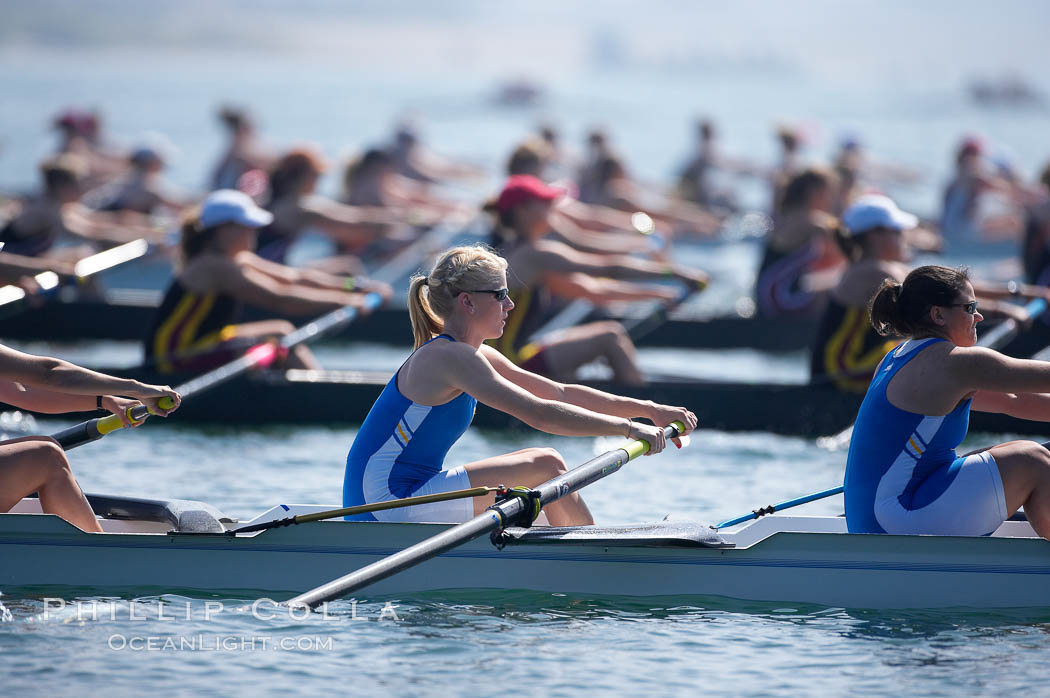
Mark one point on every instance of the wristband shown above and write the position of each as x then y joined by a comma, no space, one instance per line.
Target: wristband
98,402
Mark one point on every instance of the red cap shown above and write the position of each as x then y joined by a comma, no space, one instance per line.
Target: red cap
83,123
971,145
522,188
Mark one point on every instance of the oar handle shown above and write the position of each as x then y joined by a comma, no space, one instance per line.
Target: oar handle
95,429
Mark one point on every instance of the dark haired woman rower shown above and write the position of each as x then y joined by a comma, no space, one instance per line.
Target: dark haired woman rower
903,474
847,348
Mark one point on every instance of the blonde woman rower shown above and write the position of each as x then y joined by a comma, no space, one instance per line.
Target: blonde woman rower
429,403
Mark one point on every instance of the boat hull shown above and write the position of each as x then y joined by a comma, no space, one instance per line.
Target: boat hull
824,566
131,319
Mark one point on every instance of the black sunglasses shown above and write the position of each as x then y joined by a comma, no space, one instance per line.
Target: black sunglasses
499,293
970,307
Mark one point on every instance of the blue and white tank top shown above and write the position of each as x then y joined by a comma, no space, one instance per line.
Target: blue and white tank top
899,454
402,444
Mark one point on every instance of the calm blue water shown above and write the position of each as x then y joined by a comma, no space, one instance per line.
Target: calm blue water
893,72
444,643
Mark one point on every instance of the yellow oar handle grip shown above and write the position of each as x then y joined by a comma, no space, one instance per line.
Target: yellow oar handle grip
639,447
106,425
135,415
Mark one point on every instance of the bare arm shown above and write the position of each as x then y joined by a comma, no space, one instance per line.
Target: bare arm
352,225
315,278
593,216
100,225
600,290
247,282
1034,406
672,213
980,369
52,385
17,264
586,397
556,257
467,370
570,233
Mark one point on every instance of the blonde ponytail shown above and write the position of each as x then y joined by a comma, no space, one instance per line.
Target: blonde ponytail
425,323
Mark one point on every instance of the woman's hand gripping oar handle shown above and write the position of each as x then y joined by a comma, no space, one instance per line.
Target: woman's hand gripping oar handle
95,429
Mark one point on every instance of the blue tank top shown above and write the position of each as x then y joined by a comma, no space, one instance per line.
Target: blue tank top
896,453
402,444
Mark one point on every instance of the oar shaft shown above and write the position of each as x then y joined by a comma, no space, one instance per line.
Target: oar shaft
484,523
493,519
395,504
781,506
1004,331
644,326
262,354
367,508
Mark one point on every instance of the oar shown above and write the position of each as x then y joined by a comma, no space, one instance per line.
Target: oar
83,269
1005,331
95,429
645,325
260,355
992,339
366,508
781,506
496,517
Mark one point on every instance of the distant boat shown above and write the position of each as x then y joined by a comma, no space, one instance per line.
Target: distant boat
1007,91
519,93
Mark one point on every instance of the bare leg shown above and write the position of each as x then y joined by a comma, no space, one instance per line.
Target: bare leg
299,357
571,348
36,463
1025,469
529,467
